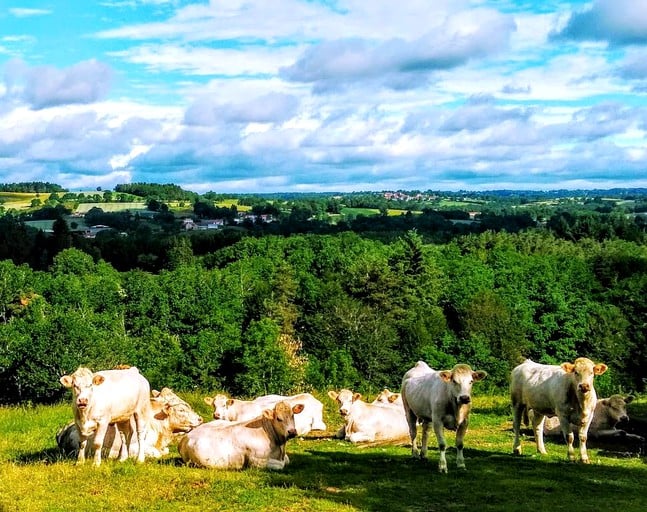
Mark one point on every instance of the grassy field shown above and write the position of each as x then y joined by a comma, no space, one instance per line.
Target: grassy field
19,200
325,474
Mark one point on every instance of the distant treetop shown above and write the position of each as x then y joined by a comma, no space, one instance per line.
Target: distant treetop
31,186
167,192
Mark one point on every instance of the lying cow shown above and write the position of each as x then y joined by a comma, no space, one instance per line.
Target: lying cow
232,409
364,422
608,413
106,397
442,398
387,397
259,442
566,391
170,416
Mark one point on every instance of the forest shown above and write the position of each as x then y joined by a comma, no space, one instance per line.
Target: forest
301,304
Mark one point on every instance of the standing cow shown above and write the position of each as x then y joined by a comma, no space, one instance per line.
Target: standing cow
565,391
442,398
106,397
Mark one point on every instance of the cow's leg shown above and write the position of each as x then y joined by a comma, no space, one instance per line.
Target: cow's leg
140,425
424,440
460,436
80,457
538,430
583,435
125,440
439,430
412,420
517,412
97,444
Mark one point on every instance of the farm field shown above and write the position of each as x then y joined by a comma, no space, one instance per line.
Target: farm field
20,200
325,474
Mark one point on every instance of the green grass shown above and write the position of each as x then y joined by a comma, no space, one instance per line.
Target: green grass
325,474
20,200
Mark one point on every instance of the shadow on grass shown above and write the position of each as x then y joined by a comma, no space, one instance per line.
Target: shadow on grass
370,479
47,456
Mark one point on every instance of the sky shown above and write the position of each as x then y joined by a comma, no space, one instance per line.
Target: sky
252,96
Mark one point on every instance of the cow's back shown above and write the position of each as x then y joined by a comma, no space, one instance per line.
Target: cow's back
538,386
123,393
421,389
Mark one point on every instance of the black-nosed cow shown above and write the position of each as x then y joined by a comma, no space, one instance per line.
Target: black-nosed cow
442,398
254,443
565,391
106,397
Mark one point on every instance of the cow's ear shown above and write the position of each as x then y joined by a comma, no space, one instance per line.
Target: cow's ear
479,375
446,375
230,402
98,379
600,368
357,396
269,414
208,400
155,393
297,408
333,394
392,398
163,413
604,401
66,380
568,367
629,399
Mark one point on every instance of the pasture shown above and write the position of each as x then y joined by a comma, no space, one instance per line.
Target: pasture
20,200
325,474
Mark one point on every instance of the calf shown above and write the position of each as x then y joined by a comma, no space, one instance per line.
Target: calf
566,391
231,409
364,422
442,398
170,416
106,397
259,442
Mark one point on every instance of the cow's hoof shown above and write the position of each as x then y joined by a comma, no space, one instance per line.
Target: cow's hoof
586,461
461,468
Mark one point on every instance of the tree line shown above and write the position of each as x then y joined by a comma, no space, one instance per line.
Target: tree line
276,314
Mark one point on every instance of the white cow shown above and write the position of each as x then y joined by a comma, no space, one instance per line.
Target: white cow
565,391
364,422
106,397
170,416
388,397
259,442
232,409
442,398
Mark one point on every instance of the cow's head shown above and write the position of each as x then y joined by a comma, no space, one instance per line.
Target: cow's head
82,382
460,380
615,408
583,370
180,416
282,418
345,399
386,396
221,406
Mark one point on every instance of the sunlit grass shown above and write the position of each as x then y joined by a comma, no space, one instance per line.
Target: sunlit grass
325,474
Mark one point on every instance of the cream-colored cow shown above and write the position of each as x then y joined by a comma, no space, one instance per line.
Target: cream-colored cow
109,397
259,442
565,391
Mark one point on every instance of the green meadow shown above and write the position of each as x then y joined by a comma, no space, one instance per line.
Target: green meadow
325,474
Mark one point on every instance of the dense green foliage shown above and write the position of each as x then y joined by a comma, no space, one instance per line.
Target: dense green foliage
31,186
277,314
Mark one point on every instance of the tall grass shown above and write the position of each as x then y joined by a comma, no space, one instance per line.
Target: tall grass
325,474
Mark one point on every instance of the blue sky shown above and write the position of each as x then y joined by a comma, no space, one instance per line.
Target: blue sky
337,95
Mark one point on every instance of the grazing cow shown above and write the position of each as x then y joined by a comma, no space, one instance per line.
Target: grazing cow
565,391
170,416
259,442
364,422
442,398
387,397
104,398
232,409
